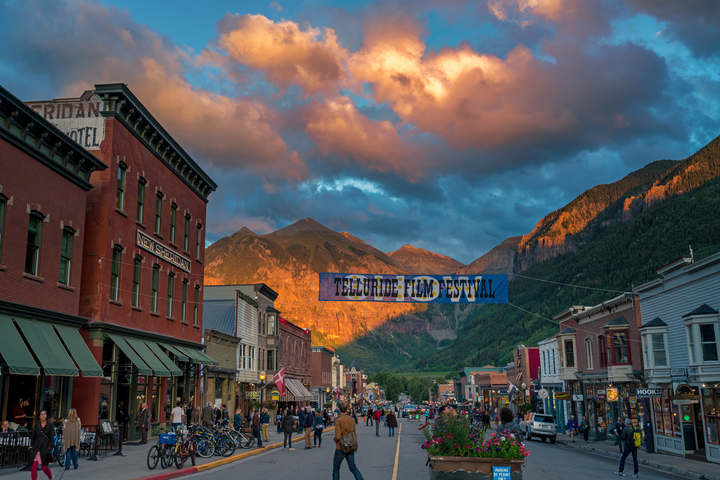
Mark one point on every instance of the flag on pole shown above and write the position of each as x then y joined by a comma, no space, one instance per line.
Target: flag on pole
279,380
511,390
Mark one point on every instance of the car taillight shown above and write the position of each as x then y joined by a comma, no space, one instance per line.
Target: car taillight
532,424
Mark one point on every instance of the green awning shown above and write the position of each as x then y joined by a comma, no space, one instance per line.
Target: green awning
134,357
14,351
148,357
197,356
171,348
174,370
47,347
79,350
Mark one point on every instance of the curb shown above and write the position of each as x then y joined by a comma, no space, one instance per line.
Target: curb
642,461
217,463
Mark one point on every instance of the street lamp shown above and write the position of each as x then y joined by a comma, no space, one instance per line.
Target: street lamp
262,376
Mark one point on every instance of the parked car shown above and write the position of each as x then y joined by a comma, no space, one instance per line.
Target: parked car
540,425
408,408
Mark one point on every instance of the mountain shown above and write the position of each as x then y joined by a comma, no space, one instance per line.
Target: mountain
499,260
419,261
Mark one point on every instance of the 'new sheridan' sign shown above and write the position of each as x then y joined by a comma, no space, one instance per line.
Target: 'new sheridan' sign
350,287
151,245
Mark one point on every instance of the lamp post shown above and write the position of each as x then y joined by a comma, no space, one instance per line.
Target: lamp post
262,376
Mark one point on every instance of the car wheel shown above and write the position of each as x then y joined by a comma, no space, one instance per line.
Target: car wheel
552,439
543,439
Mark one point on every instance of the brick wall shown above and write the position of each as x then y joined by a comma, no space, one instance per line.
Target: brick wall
30,185
108,227
321,368
295,351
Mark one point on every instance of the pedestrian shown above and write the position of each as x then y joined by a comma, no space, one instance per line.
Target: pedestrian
218,413
585,427
278,421
177,416
195,416
71,438
42,437
507,422
619,427
255,424
123,418
326,417
392,424
238,419
344,426
628,438
354,416
318,428
225,415
142,419
264,424
288,425
572,428
369,417
309,422
208,415
189,414
377,416
18,412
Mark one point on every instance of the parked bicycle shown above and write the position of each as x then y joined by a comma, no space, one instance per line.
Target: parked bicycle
184,450
58,453
163,451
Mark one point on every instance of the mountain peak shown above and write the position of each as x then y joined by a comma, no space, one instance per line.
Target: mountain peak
304,225
353,238
245,230
420,261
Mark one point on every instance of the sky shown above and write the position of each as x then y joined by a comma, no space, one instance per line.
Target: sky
449,125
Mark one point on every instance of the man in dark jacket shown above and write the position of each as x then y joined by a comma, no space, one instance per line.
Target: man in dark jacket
142,420
309,421
208,415
301,419
619,426
255,424
288,426
628,440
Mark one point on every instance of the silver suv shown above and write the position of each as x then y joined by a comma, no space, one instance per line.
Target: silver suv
542,426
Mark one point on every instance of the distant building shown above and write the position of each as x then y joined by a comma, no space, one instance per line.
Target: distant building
465,387
446,391
295,357
550,379
322,373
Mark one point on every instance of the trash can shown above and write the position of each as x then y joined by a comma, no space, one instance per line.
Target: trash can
649,440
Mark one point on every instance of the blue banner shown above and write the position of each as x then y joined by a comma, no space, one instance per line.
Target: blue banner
355,287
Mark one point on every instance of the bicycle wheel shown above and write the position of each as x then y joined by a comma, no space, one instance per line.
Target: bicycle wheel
179,458
205,448
153,457
192,454
167,458
236,438
60,455
229,447
250,442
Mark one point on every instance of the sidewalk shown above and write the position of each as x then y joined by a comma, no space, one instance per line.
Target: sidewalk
134,464
660,461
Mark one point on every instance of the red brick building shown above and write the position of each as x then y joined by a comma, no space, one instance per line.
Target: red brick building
44,180
142,271
322,368
295,351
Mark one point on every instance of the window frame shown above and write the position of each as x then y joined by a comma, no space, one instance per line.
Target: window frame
66,257
173,221
186,240
39,218
183,305
588,354
142,188
158,213
155,288
196,307
198,241
602,347
652,350
694,338
116,272
170,293
572,352
3,214
627,346
714,342
137,280
121,186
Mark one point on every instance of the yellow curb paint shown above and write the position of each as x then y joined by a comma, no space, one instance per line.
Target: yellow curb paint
234,458
397,454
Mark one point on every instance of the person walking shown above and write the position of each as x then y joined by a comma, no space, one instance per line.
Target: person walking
344,425
208,415
572,428
392,424
507,420
585,427
288,425
377,416
278,421
255,424
301,420
71,438
318,428
195,416
189,410
619,427
238,419
177,416
628,438
225,415
264,424
123,419
369,417
142,419
309,422
42,437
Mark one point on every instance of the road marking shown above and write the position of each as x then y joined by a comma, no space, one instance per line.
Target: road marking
397,454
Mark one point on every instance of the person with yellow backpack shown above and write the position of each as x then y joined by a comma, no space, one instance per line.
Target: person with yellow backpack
632,439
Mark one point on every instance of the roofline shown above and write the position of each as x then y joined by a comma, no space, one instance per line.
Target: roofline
674,265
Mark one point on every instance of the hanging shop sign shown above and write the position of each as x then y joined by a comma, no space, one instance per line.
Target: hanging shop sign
562,396
252,395
612,394
148,243
648,392
275,394
686,392
577,398
350,287
601,396
632,401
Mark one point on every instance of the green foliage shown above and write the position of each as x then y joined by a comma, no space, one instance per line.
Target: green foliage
616,257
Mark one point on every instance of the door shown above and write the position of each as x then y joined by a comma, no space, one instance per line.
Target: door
687,422
699,434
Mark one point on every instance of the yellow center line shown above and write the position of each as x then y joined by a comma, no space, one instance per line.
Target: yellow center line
397,453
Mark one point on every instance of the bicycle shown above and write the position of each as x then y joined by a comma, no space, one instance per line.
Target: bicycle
163,451
58,453
183,451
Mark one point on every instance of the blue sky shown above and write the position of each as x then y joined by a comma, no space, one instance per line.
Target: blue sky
447,125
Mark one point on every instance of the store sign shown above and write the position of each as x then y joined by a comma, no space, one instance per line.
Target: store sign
601,395
148,243
275,394
562,396
351,287
612,394
686,392
648,392
542,393
632,401
252,395
81,121
577,398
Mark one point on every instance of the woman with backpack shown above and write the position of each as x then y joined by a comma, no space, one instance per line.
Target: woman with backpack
632,439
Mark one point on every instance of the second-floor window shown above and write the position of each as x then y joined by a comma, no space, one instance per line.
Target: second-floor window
569,354
657,343
621,353
120,195
183,305
34,243
171,288
196,305
199,241
173,218
66,255
186,241
588,353
155,285
115,273
158,213
602,347
140,215
137,272
708,342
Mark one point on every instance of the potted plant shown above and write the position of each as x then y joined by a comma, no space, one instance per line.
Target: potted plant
457,449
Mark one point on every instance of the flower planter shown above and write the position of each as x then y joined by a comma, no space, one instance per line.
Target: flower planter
471,468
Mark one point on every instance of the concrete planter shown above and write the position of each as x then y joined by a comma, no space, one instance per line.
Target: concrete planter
471,468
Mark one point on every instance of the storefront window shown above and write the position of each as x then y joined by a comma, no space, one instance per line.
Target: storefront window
51,397
711,408
667,416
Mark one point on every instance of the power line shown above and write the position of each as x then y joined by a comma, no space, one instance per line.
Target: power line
567,284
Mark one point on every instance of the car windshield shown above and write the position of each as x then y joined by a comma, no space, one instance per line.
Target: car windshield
544,418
